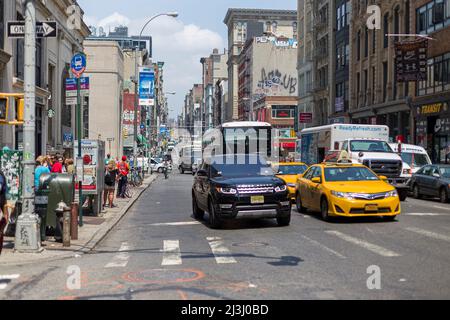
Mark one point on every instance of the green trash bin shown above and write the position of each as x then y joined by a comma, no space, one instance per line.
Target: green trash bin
41,202
61,188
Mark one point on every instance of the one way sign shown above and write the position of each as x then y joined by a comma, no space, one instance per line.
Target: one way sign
47,29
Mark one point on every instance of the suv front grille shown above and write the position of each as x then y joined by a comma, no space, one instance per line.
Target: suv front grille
388,168
254,189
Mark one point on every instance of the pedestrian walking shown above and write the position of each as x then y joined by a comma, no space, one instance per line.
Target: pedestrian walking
107,159
123,168
70,166
3,210
111,176
41,168
58,165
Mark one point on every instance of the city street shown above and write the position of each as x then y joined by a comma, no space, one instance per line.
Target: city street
159,251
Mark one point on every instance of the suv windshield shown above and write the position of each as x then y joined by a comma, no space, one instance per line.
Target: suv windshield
240,166
295,169
415,159
369,146
349,174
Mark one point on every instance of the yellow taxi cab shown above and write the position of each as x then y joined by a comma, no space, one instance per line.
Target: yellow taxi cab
346,190
289,172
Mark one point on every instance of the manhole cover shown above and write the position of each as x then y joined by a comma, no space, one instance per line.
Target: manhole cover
163,276
251,244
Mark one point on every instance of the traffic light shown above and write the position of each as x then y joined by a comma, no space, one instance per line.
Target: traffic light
5,100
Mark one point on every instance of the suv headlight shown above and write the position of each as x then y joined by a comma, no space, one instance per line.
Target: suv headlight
282,188
226,190
391,194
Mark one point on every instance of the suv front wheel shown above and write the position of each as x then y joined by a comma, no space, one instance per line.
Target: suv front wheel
214,220
284,221
196,211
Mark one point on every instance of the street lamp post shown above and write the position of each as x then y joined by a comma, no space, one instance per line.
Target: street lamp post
136,98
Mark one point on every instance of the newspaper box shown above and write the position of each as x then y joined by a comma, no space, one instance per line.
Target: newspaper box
93,155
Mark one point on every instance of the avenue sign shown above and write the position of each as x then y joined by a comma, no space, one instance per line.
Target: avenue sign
47,29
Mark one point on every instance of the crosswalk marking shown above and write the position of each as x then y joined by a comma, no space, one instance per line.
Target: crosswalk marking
221,253
120,260
5,279
429,234
366,245
172,255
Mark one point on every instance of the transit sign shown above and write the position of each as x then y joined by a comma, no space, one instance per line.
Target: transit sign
78,64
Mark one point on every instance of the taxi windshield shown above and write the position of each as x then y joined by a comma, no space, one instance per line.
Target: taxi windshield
294,169
349,174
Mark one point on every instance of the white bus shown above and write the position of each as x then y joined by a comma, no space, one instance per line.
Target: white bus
241,137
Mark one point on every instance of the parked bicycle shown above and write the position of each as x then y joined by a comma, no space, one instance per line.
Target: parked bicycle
135,178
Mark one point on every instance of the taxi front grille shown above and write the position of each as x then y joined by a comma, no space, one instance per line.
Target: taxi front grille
363,211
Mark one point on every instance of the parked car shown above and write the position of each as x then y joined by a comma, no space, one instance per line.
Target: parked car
432,181
346,190
156,166
239,190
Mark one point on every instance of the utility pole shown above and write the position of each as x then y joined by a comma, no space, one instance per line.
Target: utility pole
28,236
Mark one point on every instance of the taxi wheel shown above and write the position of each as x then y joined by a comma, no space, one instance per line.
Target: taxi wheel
324,209
298,203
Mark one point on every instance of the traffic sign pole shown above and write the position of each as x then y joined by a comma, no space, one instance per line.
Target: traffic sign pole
80,183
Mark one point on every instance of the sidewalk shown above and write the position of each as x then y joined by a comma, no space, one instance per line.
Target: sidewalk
93,231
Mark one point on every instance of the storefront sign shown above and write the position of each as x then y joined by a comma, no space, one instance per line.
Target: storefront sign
305,117
431,108
411,60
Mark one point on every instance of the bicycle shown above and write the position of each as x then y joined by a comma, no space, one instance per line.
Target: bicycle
135,178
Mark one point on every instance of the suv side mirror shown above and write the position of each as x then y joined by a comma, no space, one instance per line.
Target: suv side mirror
202,173
316,180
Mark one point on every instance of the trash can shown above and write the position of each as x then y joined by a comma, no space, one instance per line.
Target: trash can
62,188
41,202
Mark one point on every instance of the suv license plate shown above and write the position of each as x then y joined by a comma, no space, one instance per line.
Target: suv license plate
372,208
257,199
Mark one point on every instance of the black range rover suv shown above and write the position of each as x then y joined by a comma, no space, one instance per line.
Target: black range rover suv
239,187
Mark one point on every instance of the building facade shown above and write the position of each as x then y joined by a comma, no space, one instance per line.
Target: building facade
55,130
246,24
431,104
105,70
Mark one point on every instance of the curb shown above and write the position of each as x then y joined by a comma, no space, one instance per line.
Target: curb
95,239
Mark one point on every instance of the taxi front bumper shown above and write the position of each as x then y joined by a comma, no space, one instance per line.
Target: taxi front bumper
364,208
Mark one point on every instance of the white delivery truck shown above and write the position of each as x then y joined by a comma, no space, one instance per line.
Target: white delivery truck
414,158
365,144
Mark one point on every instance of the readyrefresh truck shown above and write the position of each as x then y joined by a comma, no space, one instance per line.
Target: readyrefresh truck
365,144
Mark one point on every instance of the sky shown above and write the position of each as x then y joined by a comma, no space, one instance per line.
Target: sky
179,42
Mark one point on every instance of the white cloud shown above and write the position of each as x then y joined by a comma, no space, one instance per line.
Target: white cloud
179,45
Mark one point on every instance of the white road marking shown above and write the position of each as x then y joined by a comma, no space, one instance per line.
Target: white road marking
174,224
366,245
442,208
424,214
120,260
324,247
172,255
221,253
326,295
7,277
429,234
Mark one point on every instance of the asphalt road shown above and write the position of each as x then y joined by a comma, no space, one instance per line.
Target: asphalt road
158,251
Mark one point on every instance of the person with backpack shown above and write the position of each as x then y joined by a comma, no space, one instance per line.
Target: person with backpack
110,183
3,209
124,169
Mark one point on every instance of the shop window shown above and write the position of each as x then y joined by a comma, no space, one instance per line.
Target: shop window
386,30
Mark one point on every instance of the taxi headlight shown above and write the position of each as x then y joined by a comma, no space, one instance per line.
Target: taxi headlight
292,185
391,194
342,195
282,188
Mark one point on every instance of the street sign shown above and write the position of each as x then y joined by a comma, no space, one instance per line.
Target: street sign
47,29
78,64
71,89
